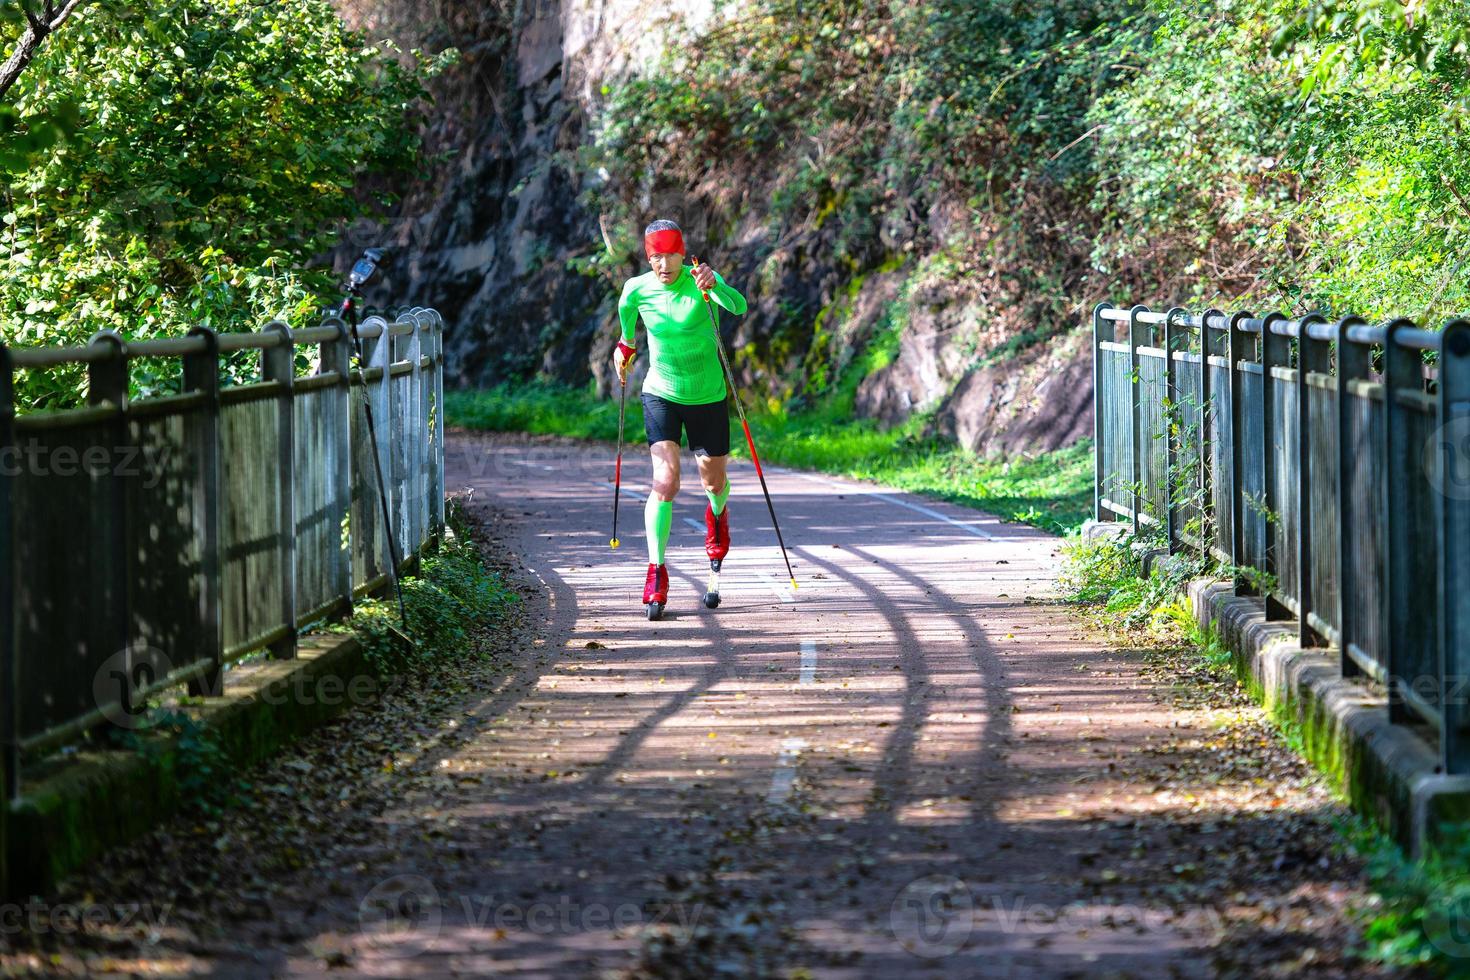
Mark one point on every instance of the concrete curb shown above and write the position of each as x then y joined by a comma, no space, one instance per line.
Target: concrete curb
1386,772
76,810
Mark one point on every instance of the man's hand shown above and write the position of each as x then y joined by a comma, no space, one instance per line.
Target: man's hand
704,277
623,357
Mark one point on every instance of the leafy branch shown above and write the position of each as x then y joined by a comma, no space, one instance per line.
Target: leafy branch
40,24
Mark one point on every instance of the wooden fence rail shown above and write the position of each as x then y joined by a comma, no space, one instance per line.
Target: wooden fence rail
1323,463
149,543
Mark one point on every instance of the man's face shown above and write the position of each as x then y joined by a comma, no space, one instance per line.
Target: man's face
667,265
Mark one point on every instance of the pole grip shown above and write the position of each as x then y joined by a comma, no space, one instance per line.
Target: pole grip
694,262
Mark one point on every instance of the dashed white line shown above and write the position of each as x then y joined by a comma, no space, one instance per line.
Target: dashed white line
697,525
784,777
808,662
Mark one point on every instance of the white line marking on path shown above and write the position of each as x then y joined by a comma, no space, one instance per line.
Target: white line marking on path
697,525
938,516
808,662
785,775
917,508
785,594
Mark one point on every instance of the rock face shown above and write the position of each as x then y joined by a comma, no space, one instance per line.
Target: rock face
1035,399
489,238
1039,400
489,245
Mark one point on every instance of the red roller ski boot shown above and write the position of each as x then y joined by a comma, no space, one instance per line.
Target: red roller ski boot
656,590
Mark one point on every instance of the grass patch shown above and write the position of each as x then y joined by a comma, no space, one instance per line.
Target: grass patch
449,604
1052,491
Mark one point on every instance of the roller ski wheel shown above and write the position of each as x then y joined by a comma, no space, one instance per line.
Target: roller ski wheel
712,591
656,591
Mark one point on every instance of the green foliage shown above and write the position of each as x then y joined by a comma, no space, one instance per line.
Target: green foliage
1285,155
1095,571
1109,573
216,147
862,115
202,772
1418,917
1051,490
452,599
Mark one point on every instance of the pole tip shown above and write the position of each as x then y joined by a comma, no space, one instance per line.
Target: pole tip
793,585
614,542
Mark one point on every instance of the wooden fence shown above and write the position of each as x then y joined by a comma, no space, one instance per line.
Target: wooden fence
1324,463
149,543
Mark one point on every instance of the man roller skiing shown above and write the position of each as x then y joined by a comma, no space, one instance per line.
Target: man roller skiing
684,392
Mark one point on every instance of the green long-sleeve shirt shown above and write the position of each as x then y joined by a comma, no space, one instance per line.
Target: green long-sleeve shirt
683,363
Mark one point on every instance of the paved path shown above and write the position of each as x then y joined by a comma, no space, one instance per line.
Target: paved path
903,765
914,766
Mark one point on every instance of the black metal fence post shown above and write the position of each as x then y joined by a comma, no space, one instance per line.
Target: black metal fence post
1453,470
1401,372
1353,363
415,439
201,373
1235,354
1206,438
9,674
278,363
1275,352
1135,426
107,382
438,429
337,356
1099,429
1173,426
1312,358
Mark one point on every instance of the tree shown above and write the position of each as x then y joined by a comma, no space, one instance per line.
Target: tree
40,22
218,148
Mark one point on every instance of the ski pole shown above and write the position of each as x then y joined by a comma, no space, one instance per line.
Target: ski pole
349,306
740,410
618,467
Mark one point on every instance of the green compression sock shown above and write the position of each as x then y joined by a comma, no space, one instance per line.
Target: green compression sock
658,517
717,500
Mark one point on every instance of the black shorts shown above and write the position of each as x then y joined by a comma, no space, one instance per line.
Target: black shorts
708,425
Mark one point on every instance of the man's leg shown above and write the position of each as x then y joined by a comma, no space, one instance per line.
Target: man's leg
709,437
658,513
716,484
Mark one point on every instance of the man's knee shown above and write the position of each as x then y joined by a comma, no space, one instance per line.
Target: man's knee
666,485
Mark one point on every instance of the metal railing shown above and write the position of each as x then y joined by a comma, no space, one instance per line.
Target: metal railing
1324,463
149,543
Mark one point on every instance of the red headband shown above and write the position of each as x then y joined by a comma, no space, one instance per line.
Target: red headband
668,240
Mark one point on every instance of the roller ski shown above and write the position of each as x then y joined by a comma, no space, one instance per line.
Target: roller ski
716,547
656,591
